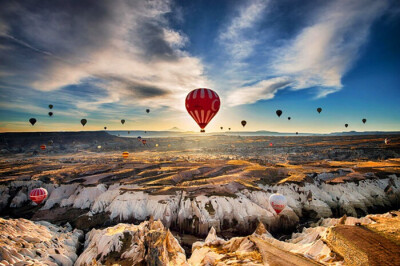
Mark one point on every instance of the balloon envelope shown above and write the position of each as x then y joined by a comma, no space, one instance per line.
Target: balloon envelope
50,106
42,147
289,118
123,121
364,120
125,154
83,122
319,109
32,121
50,113
202,105
278,202
279,113
346,125
243,123
147,110
38,195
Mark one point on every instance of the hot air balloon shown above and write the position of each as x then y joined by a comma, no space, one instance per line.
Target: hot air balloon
50,106
222,128
297,133
129,132
50,142
319,110
289,118
144,141
123,121
139,138
157,145
364,120
278,202
270,144
279,113
32,121
42,147
38,195
346,125
202,105
243,123
387,141
99,147
105,128
147,110
50,113
229,128
83,122
125,154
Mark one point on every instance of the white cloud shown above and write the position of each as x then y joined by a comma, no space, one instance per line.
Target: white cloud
323,52
262,90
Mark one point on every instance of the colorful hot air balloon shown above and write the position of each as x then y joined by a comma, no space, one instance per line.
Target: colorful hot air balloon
50,113
364,120
270,144
279,113
32,121
346,125
125,154
243,123
50,106
319,110
83,122
147,110
99,147
38,195
42,147
278,202
387,141
202,105
289,118
123,121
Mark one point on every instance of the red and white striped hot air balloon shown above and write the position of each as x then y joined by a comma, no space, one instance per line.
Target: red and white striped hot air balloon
38,195
202,105
42,147
278,202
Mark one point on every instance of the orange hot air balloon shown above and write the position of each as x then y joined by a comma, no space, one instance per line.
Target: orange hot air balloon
42,147
38,195
202,104
125,154
270,144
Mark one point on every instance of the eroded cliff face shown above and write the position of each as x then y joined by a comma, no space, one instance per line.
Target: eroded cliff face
238,212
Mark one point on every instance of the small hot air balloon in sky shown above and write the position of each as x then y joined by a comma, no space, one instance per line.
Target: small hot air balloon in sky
83,122
289,118
229,128
123,121
38,195
270,144
32,121
297,133
364,120
222,128
319,110
125,154
346,125
147,110
279,113
105,128
144,141
202,105
278,202
243,123
42,147
50,113
50,106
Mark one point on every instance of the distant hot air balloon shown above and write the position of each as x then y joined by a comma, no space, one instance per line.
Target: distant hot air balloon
129,132
270,144
278,202
38,195
289,118
32,121
229,128
50,142
50,113
99,147
387,141
222,128
243,123
125,154
346,125
279,113
297,133
147,110
50,106
319,110
42,147
202,105
105,128
364,120
157,145
139,138
144,141
123,121
145,132
83,122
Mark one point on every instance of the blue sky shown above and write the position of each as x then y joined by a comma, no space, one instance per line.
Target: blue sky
111,60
